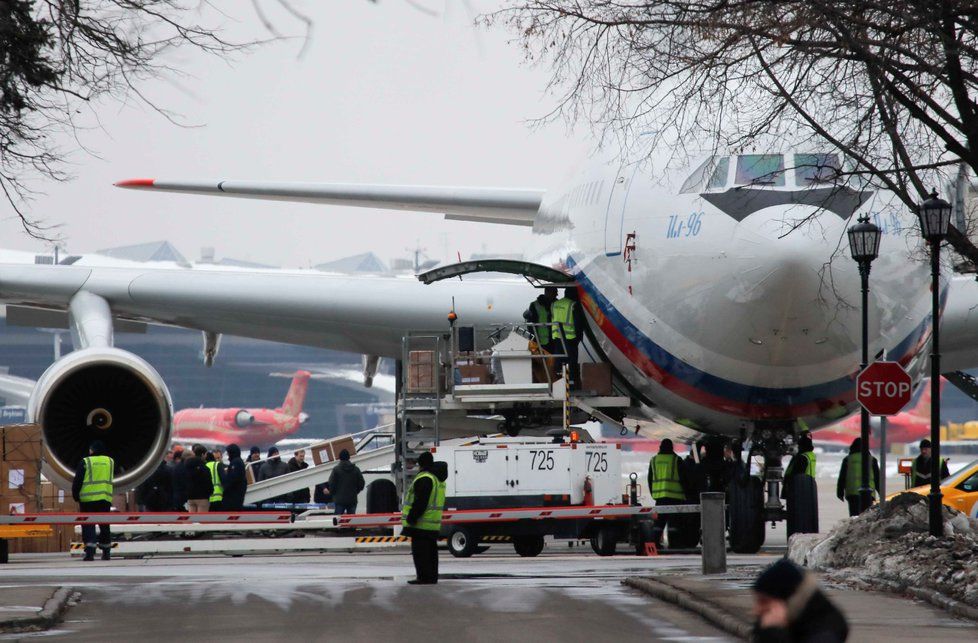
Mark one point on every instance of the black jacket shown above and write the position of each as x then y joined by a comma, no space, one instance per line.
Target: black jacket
923,466
197,477
819,621
345,483
302,495
234,483
79,479
178,482
422,492
156,494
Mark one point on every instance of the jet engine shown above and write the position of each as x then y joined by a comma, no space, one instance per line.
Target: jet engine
105,394
243,419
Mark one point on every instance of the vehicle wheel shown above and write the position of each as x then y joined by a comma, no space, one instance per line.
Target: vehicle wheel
604,541
382,497
745,501
802,499
462,543
528,546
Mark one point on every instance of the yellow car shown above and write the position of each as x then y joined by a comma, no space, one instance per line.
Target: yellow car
960,490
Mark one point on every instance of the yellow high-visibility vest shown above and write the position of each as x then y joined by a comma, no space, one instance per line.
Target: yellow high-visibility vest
217,495
98,479
430,520
562,315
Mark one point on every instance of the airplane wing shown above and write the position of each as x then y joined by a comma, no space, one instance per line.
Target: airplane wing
490,205
367,315
14,389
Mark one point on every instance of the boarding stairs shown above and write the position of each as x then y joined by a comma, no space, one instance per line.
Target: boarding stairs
366,458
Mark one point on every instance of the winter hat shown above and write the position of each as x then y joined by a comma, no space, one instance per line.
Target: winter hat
925,444
805,443
780,580
344,455
426,459
234,451
255,451
272,451
665,446
97,447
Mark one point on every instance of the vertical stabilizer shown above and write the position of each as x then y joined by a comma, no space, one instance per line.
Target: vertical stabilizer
296,396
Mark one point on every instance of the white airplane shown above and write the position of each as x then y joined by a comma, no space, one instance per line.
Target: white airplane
711,308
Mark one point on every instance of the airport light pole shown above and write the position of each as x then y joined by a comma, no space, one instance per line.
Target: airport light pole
864,244
935,217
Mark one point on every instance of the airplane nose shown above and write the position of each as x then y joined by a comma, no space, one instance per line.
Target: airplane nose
794,270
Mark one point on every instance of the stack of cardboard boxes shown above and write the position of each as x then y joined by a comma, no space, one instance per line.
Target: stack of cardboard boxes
20,471
24,491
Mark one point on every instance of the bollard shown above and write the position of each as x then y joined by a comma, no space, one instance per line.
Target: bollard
713,524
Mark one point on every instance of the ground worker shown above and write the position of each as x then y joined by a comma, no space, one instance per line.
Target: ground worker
92,490
538,314
850,477
802,463
666,485
920,471
217,480
424,503
568,320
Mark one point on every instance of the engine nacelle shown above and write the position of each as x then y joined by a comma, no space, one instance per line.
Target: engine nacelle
243,419
102,394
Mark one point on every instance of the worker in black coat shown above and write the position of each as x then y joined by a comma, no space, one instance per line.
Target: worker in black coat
421,515
790,607
235,483
156,493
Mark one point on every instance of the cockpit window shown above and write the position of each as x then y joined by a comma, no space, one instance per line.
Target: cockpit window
760,169
814,169
719,177
711,173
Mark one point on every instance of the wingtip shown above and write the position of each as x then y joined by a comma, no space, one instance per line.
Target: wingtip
135,183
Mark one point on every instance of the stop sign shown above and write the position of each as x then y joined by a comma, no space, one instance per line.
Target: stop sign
883,388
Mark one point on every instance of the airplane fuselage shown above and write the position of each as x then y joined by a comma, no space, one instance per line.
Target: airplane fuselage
729,305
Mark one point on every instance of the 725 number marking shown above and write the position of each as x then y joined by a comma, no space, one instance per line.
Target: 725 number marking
597,462
542,460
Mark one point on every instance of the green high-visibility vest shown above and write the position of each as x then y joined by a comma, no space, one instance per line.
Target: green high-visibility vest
217,495
430,520
542,332
664,471
98,479
562,315
854,474
810,463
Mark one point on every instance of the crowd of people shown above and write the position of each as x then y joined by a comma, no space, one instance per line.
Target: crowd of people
195,479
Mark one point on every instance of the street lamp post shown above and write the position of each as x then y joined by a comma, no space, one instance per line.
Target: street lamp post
935,217
864,244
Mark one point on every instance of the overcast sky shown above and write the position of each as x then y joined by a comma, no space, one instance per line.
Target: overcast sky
384,94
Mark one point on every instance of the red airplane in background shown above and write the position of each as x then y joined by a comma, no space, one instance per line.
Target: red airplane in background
245,427
910,426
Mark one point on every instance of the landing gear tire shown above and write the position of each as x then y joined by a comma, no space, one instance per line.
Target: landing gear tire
684,531
382,497
528,546
604,541
746,502
802,499
462,543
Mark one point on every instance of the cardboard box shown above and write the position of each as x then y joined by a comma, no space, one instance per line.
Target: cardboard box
421,357
596,378
421,378
329,450
20,443
474,374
